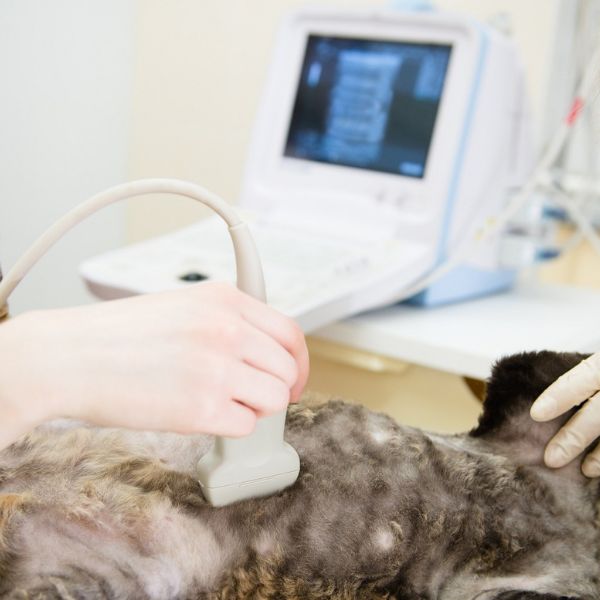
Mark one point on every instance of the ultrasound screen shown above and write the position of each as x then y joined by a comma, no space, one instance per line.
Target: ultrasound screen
368,104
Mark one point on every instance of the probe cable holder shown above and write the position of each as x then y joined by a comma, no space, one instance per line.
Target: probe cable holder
234,469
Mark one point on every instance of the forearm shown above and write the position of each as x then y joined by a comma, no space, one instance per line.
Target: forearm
22,402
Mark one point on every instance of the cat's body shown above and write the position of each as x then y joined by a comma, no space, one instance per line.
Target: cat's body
379,511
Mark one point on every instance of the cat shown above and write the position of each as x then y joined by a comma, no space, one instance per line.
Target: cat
380,511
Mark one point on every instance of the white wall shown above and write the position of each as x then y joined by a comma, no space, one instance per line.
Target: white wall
65,102
200,68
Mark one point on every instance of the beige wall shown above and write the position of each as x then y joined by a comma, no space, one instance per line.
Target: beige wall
200,68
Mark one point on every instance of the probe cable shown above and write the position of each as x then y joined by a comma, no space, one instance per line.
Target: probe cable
249,270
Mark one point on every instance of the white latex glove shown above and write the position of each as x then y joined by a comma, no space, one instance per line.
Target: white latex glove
206,359
580,384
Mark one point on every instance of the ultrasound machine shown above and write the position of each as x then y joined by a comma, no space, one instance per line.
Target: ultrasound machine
384,140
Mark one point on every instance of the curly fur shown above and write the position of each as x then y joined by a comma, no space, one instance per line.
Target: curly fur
379,511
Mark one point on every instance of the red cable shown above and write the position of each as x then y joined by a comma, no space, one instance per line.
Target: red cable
575,111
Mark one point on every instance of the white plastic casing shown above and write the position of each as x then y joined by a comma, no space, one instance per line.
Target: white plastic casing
257,465
479,151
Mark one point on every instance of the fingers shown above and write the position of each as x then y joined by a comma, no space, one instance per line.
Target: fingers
574,437
263,352
235,420
260,391
591,464
303,371
569,390
286,332
275,344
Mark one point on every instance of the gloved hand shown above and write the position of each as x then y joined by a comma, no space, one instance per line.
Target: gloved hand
580,384
208,359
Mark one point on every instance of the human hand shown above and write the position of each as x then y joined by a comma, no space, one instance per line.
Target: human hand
206,359
579,385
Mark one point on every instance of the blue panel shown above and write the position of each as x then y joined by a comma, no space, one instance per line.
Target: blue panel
463,283
459,162
413,5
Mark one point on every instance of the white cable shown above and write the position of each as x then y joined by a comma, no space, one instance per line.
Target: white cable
249,271
583,223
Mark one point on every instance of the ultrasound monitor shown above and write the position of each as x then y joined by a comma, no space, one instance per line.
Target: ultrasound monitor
368,104
385,142
414,122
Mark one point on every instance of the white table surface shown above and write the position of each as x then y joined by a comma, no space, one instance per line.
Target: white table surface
467,338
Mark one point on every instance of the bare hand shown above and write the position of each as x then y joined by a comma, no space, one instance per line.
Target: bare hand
206,359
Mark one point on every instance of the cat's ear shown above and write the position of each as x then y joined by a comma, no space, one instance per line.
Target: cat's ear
515,383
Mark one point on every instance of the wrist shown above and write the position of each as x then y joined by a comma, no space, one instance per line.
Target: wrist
22,401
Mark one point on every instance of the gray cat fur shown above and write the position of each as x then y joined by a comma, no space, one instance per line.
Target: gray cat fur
380,511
